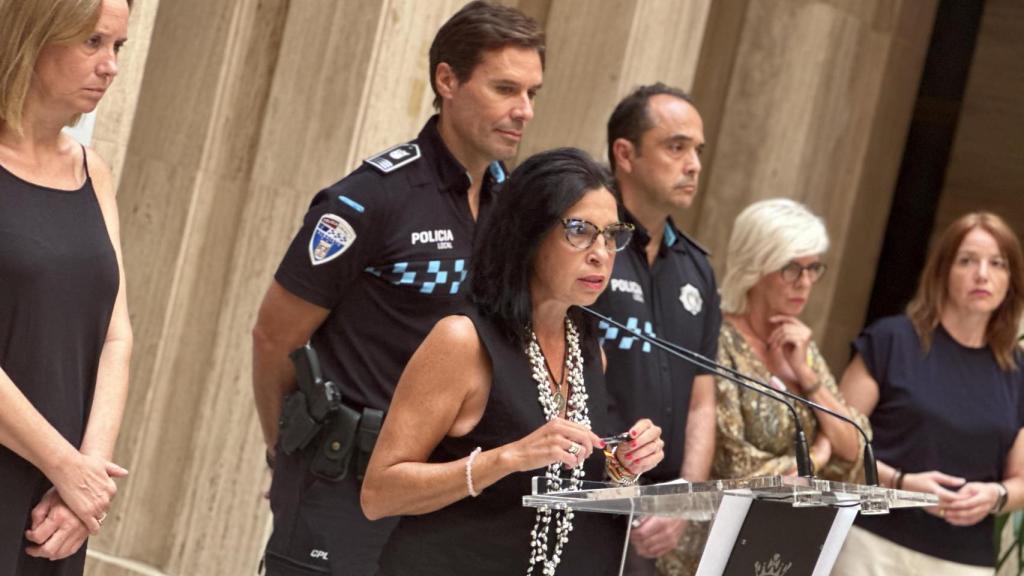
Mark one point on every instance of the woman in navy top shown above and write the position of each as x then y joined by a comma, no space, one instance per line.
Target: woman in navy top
944,388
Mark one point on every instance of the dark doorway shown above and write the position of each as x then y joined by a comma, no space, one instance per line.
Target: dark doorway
926,156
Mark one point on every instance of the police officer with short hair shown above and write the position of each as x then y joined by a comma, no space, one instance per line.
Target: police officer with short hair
663,285
381,256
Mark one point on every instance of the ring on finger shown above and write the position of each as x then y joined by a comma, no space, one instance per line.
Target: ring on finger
574,449
101,519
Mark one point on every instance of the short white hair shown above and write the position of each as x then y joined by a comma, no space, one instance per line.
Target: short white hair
767,235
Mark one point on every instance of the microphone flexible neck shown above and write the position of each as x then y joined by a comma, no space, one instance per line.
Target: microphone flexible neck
759,386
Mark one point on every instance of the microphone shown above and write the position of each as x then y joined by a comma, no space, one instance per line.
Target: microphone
803,459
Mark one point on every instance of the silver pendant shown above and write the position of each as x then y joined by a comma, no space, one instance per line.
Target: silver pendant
560,400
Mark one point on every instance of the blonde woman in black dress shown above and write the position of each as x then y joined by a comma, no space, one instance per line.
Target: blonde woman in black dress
65,338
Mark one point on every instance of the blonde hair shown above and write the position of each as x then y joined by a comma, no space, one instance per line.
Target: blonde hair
26,27
767,235
925,310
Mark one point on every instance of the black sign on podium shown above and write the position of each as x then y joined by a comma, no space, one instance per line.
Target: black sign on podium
775,539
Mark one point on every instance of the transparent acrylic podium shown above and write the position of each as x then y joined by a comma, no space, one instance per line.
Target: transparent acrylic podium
702,501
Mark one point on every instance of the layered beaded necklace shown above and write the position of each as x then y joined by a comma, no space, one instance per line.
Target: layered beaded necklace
577,412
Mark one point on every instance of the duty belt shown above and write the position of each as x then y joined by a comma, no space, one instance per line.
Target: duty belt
345,436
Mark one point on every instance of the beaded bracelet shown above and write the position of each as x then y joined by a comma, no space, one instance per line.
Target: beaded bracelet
469,471
618,473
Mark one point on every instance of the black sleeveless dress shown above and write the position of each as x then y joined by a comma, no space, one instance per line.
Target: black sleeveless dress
58,282
490,534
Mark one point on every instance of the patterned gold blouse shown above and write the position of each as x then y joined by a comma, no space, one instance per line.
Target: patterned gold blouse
755,436
755,433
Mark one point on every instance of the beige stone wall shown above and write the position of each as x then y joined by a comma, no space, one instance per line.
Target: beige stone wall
116,112
598,51
229,115
986,166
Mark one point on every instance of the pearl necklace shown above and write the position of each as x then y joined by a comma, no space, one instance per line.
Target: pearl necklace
577,412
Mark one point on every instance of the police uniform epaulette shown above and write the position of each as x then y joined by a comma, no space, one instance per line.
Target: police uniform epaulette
694,243
394,158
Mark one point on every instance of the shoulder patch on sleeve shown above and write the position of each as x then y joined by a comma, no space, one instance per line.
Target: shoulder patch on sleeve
331,237
395,157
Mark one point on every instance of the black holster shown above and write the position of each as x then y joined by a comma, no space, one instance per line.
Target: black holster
334,453
308,409
316,410
347,444
297,427
369,429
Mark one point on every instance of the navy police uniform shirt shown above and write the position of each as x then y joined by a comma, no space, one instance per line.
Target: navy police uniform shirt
677,300
387,250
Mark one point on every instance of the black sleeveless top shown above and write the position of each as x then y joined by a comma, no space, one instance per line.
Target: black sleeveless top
58,282
490,534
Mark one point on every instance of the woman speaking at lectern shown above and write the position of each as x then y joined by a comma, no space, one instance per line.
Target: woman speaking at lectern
512,390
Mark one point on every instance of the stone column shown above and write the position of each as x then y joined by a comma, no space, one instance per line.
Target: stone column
986,164
597,52
116,113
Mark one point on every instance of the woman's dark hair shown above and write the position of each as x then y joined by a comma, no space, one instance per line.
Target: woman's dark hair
533,200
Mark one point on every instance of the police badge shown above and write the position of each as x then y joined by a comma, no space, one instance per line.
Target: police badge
331,238
691,299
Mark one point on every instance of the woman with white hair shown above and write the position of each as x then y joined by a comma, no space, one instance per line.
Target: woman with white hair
773,262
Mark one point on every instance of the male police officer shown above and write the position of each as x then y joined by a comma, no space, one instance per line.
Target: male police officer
381,256
662,284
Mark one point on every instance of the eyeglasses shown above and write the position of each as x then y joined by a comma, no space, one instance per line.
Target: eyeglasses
583,234
793,271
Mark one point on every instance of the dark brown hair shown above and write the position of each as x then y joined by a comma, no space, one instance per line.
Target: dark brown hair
632,117
925,310
477,28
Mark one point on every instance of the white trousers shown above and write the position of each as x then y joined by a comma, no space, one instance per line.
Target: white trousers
866,554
